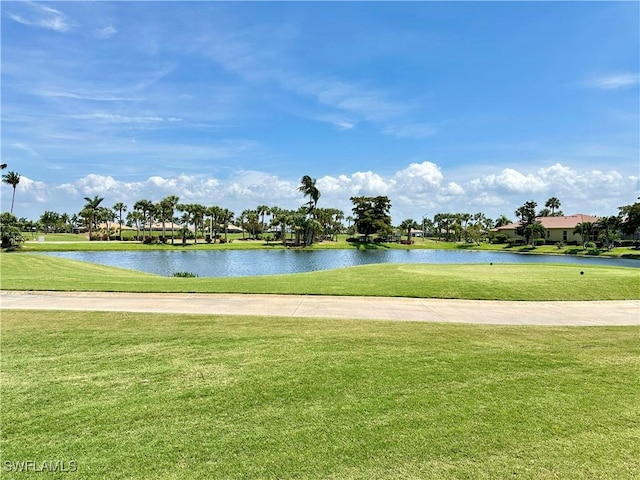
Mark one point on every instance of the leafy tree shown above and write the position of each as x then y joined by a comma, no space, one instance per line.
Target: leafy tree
527,215
49,221
13,179
630,215
10,234
372,215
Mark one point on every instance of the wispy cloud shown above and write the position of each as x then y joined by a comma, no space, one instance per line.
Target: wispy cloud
412,130
82,95
37,15
109,117
614,82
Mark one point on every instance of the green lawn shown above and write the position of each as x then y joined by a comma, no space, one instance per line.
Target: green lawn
21,271
141,396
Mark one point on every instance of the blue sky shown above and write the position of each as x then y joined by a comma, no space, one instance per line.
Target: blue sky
442,106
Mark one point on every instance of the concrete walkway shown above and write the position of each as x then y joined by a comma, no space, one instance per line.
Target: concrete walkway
599,313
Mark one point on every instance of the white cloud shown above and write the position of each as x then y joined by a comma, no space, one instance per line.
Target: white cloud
614,82
416,190
509,180
36,15
419,177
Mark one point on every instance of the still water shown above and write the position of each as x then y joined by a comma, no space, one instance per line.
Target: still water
238,263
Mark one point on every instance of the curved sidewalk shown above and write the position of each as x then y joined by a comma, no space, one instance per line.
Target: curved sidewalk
597,313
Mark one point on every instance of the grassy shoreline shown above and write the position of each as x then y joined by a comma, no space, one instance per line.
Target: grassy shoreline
533,282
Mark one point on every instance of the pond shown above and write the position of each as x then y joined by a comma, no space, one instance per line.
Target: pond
238,263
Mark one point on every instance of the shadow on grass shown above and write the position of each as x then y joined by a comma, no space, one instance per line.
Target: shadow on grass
368,245
467,246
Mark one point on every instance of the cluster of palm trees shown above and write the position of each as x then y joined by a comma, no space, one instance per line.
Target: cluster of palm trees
605,229
199,221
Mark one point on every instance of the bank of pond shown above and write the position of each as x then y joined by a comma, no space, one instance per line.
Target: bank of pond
239,263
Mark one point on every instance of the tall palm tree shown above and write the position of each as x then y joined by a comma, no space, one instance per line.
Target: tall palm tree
91,208
136,217
3,166
120,207
553,203
13,179
146,207
169,205
408,225
226,217
262,210
309,189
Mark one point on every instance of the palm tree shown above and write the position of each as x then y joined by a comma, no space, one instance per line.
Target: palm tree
553,203
585,230
534,230
226,217
501,221
169,207
135,217
91,208
262,210
3,166
408,225
13,179
309,189
120,207
146,207
609,227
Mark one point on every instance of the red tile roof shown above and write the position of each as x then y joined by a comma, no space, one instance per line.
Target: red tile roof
565,222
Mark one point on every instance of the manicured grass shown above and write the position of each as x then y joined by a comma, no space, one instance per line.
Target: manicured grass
141,396
21,271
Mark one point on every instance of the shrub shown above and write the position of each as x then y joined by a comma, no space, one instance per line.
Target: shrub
590,245
539,241
500,238
184,274
351,239
560,245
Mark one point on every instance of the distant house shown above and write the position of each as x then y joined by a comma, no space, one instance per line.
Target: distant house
559,229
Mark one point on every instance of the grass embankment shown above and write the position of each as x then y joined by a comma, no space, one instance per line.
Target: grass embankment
141,396
496,282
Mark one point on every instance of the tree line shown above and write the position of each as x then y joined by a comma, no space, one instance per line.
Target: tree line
370,216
